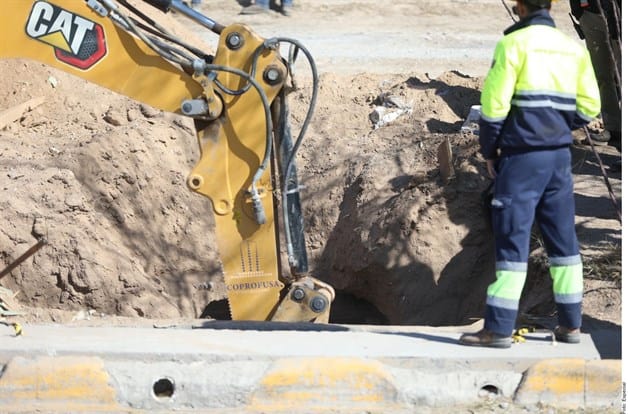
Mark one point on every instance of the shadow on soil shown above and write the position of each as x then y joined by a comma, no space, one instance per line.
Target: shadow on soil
606,336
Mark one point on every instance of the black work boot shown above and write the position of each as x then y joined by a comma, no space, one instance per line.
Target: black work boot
569,336
600,138
615,140
486,338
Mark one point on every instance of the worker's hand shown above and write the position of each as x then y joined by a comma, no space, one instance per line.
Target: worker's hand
490,166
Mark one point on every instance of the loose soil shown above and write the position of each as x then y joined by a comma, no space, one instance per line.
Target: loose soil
103,179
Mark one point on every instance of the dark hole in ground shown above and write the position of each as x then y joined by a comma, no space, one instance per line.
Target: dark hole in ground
348,309
218,310
345,309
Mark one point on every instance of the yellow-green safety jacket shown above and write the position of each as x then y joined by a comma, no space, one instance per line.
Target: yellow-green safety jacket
540,87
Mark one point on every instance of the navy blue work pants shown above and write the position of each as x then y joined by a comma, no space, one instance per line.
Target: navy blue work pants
535,185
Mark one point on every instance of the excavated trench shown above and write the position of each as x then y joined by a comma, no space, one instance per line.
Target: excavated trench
399,244
346,309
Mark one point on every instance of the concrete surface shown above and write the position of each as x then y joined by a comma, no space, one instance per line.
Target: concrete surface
289,368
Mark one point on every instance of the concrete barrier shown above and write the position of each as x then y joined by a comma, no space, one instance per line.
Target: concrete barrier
137,370
67,384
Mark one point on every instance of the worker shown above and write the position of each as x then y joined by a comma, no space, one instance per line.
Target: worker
540,87
263,6
601,36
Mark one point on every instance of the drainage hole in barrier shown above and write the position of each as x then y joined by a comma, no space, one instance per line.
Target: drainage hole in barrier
489,391
163,388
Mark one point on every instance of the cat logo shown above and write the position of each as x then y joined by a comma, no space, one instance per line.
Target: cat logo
77,41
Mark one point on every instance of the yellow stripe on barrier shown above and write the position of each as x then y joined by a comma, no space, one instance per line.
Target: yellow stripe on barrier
324,383
572,383
73,380
603,382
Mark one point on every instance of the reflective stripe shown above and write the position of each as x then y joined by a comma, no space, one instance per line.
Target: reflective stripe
565,261
507,286
492,119
511,304
513,266
570,298
543,104
560,98
567,279
547,93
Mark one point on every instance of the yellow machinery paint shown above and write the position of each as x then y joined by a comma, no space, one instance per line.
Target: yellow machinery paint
232,135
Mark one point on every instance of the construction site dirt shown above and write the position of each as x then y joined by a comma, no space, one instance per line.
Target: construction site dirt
103,179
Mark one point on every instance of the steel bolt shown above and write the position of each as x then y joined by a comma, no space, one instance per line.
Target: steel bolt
298,294
272,75
318,304
234,41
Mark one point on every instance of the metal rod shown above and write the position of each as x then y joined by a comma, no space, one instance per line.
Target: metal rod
611,193
200,18
24,256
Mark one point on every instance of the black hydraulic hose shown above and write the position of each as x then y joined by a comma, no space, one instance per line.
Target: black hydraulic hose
172,54
127,24
310,111
270,43
260,215
256,54
155,31
141,15
290,160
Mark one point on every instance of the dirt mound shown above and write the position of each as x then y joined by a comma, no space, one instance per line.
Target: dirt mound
103,179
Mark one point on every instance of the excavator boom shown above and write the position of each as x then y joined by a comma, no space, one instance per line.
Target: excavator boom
232,96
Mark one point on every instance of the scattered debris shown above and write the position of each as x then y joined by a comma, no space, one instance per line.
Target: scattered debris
85,315
53,81
391,108
16,112
8,304
471,124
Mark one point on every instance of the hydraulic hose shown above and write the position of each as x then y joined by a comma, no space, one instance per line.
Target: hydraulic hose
290,161
260,215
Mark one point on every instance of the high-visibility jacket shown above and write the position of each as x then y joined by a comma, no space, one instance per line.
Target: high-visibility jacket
540,87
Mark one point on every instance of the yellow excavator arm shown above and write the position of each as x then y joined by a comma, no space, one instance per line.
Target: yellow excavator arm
237,99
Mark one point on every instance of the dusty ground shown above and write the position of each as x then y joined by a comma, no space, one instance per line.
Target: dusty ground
103,179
